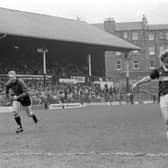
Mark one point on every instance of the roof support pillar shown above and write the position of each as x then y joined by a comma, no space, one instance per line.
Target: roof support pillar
43,51
89,67
127,71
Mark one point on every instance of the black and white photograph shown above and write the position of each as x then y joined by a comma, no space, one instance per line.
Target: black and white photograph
84,84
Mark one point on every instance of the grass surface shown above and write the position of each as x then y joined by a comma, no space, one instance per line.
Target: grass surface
85,137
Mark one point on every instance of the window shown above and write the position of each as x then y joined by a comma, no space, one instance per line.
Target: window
109,53
135,52
125,35
151,50
152,63
135,64
134,35
166,35
161,49
118,53
166,46
161,35
151,36
118,65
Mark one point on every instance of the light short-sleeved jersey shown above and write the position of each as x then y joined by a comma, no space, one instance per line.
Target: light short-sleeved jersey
162,75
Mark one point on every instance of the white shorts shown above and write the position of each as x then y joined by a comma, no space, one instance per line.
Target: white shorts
164,106
16,107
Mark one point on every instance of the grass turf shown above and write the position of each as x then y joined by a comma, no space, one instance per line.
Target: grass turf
98,129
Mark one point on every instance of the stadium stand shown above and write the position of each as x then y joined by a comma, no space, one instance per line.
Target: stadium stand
56,92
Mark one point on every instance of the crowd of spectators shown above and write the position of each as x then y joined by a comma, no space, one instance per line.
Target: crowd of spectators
82,93
56,92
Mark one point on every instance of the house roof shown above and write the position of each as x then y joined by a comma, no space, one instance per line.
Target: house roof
122,26
125,26
129,26
157,27
28,24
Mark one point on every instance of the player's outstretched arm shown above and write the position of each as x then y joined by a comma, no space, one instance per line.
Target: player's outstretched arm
146,79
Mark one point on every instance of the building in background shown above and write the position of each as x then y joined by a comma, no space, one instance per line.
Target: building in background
152,39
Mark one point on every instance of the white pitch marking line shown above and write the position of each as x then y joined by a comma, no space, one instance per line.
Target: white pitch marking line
123,154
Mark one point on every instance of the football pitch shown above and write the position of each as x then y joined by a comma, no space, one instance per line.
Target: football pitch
89,137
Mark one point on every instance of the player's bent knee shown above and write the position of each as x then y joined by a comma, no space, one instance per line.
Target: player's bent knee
166,121
29,113
15,113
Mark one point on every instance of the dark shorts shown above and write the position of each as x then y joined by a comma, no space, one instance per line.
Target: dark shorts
25,101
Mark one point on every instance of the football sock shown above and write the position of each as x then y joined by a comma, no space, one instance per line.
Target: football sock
167,123
18,121
34,118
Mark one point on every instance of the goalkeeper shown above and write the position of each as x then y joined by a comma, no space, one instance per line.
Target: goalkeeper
16,91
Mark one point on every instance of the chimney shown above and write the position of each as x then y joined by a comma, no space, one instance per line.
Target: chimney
109,25
144,21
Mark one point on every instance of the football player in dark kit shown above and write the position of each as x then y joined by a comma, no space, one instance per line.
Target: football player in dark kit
16,91
160,73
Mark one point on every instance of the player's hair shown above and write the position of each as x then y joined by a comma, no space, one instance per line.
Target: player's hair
11,74
163,54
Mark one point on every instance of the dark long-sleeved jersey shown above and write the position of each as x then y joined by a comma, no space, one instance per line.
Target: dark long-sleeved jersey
18,87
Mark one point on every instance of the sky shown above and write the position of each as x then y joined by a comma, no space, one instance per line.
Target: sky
96,11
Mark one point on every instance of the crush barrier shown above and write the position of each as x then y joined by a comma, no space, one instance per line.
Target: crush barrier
4,109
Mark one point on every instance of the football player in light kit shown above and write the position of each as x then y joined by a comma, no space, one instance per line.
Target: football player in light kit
16,91
161,74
